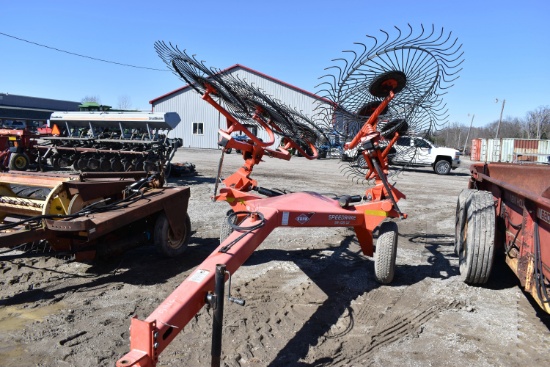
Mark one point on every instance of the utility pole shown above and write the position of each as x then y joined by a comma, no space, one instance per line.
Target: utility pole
500,120
468,135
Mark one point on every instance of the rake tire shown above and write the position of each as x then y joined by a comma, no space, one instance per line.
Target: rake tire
385,254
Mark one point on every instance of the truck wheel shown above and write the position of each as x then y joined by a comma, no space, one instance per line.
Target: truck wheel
476,246
19,162
386,251
225,227
442,167
460,218
165,241
228,151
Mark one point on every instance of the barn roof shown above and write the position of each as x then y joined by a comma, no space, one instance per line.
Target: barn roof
239,66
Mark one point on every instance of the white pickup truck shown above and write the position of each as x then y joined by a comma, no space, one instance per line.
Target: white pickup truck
415,151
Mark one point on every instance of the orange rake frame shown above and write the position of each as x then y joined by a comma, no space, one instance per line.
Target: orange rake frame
257,217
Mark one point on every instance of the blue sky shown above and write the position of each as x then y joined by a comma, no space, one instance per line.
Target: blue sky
506,45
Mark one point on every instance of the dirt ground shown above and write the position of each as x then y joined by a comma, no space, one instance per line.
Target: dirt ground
311,297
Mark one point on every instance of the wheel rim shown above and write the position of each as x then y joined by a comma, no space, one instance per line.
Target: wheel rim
20,162
173,242
443,167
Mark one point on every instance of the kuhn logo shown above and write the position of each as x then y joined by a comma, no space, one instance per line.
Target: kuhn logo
304,218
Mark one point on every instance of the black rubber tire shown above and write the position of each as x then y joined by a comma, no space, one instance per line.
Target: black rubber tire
460,218
386,251
164,240
442,167
30,192
19,162
225,227
476,248
228,151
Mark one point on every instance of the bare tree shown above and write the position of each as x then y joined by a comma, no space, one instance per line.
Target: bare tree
124,102
538,123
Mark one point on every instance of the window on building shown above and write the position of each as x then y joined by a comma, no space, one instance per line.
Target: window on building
198,128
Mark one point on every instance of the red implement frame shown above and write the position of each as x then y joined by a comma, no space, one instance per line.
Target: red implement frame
152,335
522,205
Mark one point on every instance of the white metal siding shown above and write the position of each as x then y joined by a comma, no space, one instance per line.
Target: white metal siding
191,108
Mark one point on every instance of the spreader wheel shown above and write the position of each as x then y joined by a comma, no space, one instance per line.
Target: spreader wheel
460,218
166,242
476,231
19,161
386,251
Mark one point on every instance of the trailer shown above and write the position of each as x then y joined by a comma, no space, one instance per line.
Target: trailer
506,211
91,215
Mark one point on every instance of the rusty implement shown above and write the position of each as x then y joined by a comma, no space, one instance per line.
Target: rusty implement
92,215
506,209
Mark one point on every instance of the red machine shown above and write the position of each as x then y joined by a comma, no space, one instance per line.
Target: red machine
254,217
366,88
17,149
506,209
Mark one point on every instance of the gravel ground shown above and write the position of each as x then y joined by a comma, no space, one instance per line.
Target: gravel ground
311,297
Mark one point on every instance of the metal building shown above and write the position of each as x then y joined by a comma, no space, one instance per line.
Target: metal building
23,108
200,121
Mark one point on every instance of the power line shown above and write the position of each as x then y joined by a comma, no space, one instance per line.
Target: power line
79,55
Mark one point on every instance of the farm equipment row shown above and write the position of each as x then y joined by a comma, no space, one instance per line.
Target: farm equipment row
366,81
95,142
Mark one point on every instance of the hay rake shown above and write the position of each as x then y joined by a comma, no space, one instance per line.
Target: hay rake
361,92
429,60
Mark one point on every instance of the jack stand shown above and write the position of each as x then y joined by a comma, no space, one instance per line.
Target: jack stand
216,302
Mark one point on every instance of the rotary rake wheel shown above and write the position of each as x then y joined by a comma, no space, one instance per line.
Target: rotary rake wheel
244,105
417,67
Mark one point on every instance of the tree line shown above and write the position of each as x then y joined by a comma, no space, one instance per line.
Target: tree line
535,125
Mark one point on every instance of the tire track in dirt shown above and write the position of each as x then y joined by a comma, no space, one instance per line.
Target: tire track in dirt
383,316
